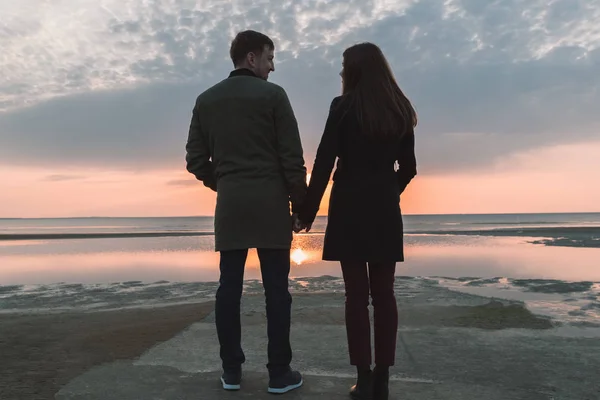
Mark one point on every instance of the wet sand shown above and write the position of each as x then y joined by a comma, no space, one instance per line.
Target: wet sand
451,346
41,353
577,236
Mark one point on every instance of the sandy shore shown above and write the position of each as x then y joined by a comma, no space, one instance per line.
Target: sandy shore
41,353
577,236
451,345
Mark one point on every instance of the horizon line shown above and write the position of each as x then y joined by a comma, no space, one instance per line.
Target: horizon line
322,216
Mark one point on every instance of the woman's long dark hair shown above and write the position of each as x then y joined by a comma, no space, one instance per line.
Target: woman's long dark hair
369,83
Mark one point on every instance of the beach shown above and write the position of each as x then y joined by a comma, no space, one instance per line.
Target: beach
450,346
42,352
571,236
456,139
495,307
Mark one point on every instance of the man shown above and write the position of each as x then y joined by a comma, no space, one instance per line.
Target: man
244,144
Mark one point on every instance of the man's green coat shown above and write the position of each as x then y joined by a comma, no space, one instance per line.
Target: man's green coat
244,144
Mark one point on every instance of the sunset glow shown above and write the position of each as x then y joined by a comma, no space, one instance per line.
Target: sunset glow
554,179
98,125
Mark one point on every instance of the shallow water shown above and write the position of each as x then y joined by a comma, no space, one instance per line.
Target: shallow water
94,273
190,259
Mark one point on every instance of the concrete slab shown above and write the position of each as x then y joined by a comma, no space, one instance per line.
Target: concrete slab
123,382
449,347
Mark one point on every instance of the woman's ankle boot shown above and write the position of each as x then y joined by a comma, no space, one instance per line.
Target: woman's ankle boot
381,379
363,388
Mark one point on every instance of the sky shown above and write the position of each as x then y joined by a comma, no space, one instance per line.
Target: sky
96,97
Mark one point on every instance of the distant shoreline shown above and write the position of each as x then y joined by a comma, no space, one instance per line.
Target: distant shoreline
574,236
58,236
577,236
318,216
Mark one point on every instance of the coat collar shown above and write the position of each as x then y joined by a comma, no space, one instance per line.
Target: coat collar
242,72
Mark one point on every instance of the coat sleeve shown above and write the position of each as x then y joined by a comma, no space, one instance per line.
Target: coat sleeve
198,155
289,147
327,153
407,162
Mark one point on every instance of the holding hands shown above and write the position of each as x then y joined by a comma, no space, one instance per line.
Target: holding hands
298,225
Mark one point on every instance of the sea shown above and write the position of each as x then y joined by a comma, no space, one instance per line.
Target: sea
550,262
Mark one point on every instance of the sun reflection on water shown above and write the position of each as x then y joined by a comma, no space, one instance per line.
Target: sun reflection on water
298,256
306,249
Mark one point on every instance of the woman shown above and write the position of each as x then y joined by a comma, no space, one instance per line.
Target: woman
369,129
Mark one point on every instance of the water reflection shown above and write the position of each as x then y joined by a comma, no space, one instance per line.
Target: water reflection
193,259
298,256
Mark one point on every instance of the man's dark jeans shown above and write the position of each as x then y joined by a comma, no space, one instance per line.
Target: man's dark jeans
275,268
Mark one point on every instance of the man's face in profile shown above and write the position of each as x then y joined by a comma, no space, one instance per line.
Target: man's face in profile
264,64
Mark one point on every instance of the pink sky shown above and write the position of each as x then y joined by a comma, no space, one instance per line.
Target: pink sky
113,82
554,179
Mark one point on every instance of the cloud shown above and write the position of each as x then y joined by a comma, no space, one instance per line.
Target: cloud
113,82
60,178
183,182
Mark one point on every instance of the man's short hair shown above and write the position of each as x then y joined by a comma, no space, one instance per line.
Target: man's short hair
248,42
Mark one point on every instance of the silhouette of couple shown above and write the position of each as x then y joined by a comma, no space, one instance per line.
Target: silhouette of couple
245,145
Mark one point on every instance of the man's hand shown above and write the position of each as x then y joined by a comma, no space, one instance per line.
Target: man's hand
296,224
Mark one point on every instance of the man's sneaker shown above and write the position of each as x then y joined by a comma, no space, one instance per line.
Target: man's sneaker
231,380
284,383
